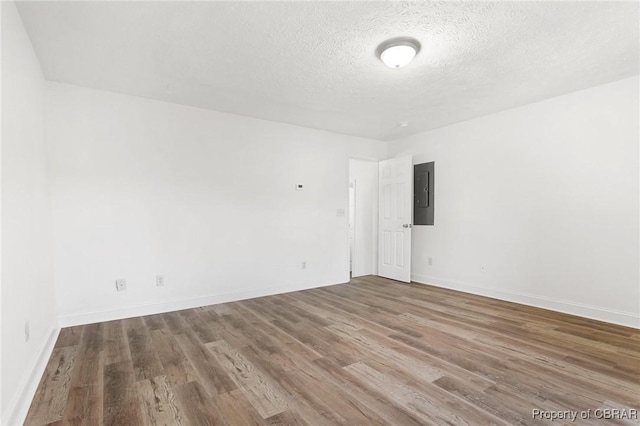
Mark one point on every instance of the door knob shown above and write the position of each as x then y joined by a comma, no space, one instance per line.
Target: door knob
406,225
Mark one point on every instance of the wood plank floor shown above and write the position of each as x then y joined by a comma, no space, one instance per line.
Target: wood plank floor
373,351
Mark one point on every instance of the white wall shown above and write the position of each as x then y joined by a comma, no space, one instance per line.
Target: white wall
207,199
364,175
27,272
545,197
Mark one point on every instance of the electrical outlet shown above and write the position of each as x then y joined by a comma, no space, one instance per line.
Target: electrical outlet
121,285
303,264
159,280
429,261
27,333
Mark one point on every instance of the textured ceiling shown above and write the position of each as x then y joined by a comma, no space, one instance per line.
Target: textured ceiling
313,63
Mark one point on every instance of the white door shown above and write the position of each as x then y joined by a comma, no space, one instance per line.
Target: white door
394,243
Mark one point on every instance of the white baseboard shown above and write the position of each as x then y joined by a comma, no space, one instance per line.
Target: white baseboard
628,319
18,406
157,307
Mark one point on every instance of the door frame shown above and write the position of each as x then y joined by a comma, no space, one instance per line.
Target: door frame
359,231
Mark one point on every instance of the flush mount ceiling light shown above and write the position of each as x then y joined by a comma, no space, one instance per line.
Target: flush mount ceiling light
398,52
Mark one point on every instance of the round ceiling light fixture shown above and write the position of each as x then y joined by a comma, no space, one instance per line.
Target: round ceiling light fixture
398,52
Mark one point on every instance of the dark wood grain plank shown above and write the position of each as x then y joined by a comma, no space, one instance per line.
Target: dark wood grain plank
175,363
154,322
116,344
198,407
212,377
69,336
263,395
85,399
143,354
121,402
160,406
237,409
51,399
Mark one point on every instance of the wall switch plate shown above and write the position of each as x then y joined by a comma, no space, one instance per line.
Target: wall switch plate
429,261
27,332
340,212
159,280
303,264
121,285
299,187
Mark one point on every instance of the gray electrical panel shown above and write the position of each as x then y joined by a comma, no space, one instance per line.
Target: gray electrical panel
423,193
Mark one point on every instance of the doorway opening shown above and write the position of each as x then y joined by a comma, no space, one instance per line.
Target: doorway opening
363,217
